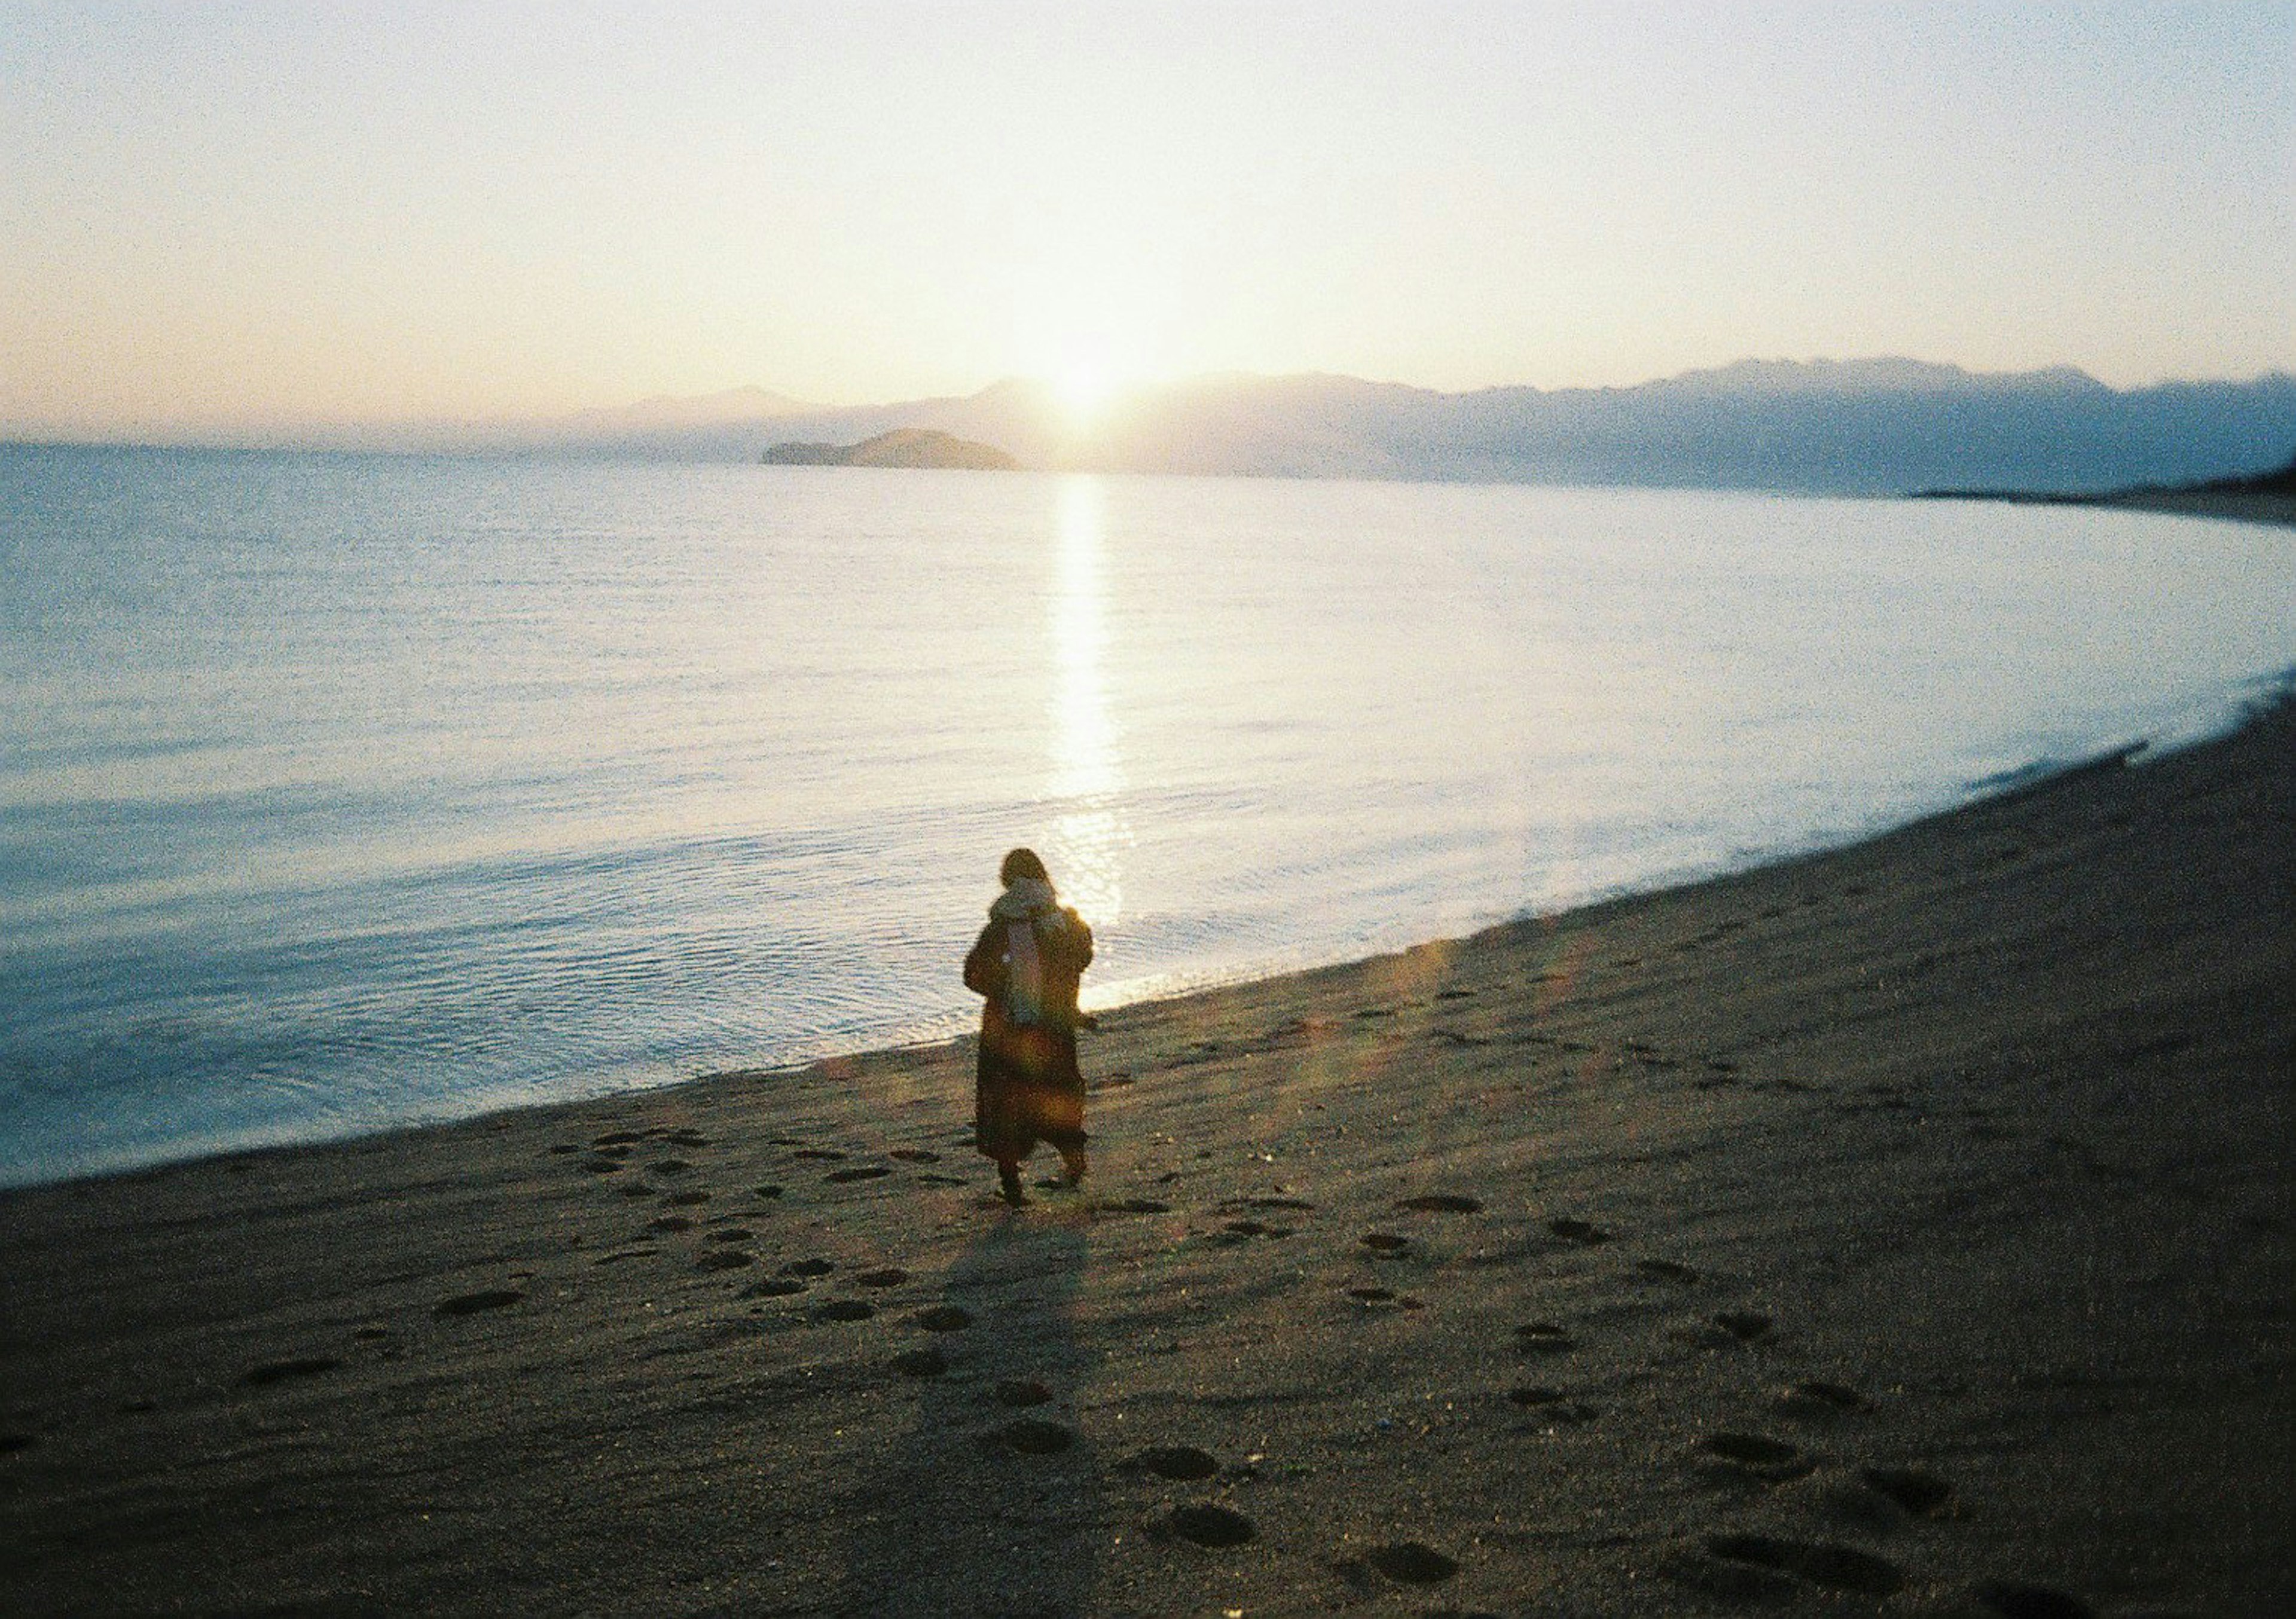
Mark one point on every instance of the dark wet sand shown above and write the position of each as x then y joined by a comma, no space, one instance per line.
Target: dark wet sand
1901,1231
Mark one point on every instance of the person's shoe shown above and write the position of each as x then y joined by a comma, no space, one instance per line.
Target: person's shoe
1075,1166
1008,1186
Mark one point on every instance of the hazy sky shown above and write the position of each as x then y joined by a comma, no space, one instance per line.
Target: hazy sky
268,213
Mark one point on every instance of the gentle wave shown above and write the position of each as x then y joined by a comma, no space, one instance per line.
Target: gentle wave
337,793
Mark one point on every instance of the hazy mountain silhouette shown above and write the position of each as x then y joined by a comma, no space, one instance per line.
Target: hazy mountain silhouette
708,426
1849,427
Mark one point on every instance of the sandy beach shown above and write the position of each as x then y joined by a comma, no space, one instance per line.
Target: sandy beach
1903,1230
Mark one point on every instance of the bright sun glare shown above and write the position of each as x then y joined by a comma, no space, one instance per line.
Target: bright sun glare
1083,387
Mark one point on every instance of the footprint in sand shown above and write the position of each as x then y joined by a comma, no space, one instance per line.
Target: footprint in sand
471,1304
1375,1297
1666,1270
1244,1230
1554,1405
1411,1562
1755,1457
732,1233
808,1267
670,1166
1922,1494
1385,1242
369,1334
913,1155
919,1363
774,1287
685,1199
945,1318
564,1149
866,1172
942,1181
1746,1325
724,1259
669,1223
1134,1205
604,1166
1543,1337
686,1138
617,1138
824,1155
1021,1393
888,1276
1821,1400
1578,1231
845,1309
1214,1527
1034,1437
1442,1203
1181,1463
768,1193
1834,1567
637,1188
2016,1601
280,1371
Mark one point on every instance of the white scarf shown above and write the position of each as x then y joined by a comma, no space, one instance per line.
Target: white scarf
1023,902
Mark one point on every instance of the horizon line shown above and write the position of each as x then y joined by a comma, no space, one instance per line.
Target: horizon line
285,434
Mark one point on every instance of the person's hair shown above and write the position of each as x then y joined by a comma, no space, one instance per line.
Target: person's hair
1019,863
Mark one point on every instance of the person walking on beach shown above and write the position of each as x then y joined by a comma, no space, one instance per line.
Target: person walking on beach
1027,961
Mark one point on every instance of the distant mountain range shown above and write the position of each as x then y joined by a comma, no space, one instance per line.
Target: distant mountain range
1877,426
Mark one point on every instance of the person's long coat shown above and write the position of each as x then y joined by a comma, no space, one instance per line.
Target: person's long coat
1028,1087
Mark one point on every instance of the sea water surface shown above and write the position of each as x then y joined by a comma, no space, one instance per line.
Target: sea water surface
342,792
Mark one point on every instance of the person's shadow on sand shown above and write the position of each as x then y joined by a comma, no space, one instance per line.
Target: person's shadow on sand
990,1505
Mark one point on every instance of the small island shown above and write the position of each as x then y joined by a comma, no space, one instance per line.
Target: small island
904,446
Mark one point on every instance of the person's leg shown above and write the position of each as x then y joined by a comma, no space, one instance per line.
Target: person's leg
1008,1181
1073,1162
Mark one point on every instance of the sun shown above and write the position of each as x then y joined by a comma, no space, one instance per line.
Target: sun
1084,386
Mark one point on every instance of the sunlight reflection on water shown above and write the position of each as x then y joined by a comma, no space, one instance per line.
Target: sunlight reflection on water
337,792
1090,833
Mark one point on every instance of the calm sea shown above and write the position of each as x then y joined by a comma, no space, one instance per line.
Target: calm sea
340,792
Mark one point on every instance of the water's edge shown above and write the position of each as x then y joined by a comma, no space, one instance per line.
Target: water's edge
2245,708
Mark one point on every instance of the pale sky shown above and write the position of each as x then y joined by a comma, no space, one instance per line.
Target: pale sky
280,214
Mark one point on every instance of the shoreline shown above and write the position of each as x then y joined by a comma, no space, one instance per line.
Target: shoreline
1906,1222
2037,775
2278,510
